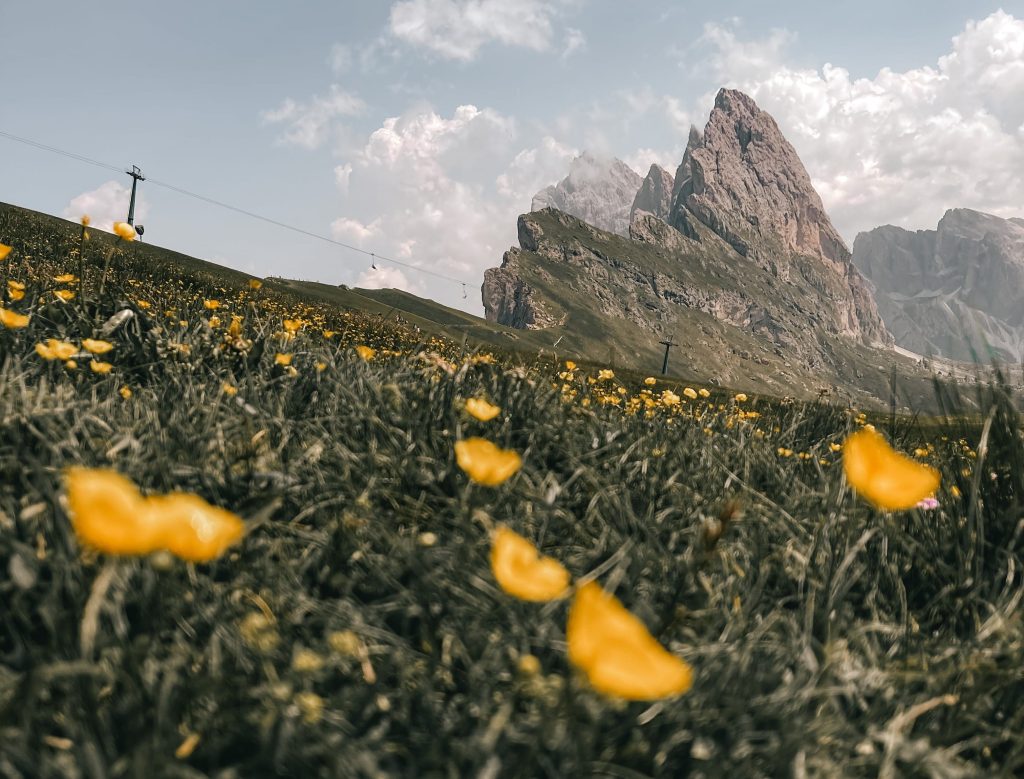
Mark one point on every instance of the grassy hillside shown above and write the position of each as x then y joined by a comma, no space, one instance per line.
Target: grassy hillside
357,630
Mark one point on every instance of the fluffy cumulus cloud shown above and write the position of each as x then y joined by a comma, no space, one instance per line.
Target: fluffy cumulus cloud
443,193
106,204
310,124
458,29
383,277
903,146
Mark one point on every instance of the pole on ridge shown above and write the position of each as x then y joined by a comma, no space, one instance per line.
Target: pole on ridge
137,176
664,363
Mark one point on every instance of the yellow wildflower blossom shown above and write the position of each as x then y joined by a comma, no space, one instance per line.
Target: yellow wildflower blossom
617,653
886,478
522,572
486,463
96,346
481,409
12,320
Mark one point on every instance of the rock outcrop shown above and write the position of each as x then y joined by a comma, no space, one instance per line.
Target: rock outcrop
598,191
747,257
655,194
742,179
956,291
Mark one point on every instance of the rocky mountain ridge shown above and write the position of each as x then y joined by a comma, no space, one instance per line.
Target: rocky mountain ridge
956,291
737,238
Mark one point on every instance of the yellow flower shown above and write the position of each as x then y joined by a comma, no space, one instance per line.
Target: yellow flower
65,278
71,365
124,231
885,477
690,393
329,333
95,346
255,284
211,305
704,393
570,365
522,572
292,325
100,367
4,251
214,321
486,463
64,294
835,447
617,653
108,513
12,320
143,304
366,352
16,295
56,350
15,286
605,375
741,397
669,398
229,389
191,528
320,367
481,409
125,392
85,220
283,359
650,381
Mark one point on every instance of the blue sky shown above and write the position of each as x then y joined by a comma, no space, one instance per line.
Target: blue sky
420,128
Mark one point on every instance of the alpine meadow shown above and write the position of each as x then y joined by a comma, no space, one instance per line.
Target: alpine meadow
658,414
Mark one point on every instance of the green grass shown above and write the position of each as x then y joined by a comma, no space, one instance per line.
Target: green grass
827,639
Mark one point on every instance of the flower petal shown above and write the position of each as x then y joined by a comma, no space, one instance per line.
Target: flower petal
486,463
883,476
522,572
617,653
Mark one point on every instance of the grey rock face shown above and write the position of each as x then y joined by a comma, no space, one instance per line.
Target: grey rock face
742,179
956,291
598,191
655,194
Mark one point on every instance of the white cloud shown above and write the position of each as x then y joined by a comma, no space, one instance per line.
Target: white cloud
354,231
309,124
385,277
641,160
458,29
575,41
901,147
342,176
443,192
533,169
105,205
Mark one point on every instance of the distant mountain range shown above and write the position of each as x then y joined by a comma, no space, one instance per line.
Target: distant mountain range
956,291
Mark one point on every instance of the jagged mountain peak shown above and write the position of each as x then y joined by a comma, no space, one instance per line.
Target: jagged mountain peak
599,190
655,194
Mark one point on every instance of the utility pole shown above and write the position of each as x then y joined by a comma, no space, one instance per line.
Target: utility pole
668,345
137,176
